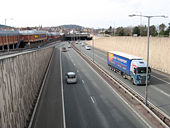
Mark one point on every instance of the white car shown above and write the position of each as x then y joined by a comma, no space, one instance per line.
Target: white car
87,47
82,44
69,46
71,78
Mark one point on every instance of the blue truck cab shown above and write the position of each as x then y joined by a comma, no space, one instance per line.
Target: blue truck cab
130,67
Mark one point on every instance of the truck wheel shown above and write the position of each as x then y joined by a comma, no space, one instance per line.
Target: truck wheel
133,81
124,76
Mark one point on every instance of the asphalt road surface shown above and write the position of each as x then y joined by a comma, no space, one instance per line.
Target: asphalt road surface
49,113
158,90
91,103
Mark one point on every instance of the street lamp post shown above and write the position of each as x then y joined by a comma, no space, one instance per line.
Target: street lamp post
93,43
93,47
148,36
140,23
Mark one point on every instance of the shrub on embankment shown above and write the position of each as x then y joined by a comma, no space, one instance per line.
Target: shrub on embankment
159,49
20,80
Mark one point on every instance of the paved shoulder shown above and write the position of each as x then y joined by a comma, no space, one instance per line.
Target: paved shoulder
49,114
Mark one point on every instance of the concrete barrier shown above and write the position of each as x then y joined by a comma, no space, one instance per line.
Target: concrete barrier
20,79
159,49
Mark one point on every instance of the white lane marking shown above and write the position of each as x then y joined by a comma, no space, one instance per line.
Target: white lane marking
71,59
161,91
95,55
103,54
83,81
140,116
160,79
64,120
135,111
92,99
100,57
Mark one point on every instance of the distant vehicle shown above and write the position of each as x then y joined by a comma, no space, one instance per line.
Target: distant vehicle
135,35
82,44
64,49
71,78
87,47
69,46
130,67
76,42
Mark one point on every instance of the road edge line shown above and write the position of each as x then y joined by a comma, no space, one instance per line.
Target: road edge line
62,93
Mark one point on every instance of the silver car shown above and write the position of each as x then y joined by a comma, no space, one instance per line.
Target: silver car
87,47
71,78
69,46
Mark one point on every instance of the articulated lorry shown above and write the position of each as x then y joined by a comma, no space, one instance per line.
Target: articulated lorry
129,66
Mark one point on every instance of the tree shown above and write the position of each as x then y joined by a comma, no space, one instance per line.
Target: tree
120,31
153,31
136,30
143,30
167,31
107,32
110,29
162,28
128,31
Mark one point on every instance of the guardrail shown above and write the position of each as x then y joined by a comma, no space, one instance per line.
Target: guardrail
155,116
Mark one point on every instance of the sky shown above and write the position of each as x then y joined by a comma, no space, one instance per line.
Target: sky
87,13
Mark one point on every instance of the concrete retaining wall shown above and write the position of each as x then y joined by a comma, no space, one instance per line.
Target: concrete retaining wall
159,49
20,79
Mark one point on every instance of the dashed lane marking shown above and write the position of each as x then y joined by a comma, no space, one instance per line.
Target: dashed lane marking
92,99
160,79
83,81
161,91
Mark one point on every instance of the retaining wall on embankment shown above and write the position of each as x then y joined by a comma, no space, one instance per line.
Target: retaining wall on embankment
20,80
159,49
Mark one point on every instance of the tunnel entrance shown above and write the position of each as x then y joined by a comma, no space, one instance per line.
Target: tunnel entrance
77,37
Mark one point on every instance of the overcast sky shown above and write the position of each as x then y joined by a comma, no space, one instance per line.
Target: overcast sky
87,13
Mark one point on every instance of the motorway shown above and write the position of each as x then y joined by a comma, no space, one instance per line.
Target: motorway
91,103
158,90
